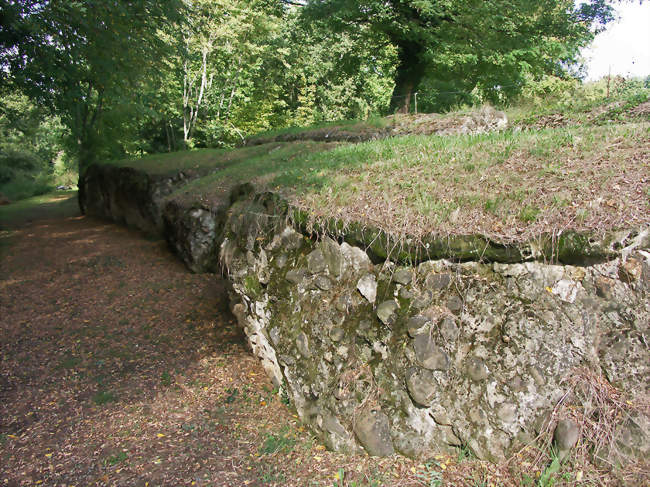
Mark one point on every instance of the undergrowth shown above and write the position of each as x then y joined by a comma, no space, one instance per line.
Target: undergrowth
604,415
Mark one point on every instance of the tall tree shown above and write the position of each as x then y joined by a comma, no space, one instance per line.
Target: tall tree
494,42
86,61
222,45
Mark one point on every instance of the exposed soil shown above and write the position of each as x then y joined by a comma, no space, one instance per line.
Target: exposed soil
118,367
117,364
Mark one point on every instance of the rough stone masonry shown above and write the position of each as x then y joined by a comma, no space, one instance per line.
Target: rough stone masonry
389,357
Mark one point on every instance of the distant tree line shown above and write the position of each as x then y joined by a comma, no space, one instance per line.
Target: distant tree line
118,78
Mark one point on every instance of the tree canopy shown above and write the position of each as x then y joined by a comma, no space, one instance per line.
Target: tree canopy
86,60
129,77
492,44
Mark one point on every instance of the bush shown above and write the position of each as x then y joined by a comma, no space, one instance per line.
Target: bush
32,158
13,163
26,185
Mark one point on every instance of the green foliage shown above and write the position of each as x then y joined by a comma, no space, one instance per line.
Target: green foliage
252,285
282,441
89,64
132,78
32,161
466,45
104,397
577,101
547,478
464,453
24,185
244,67
166,378
430,475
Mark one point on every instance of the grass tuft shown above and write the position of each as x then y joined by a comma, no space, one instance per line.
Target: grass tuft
104,397
281,441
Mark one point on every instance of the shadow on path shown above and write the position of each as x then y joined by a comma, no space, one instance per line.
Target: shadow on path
117,365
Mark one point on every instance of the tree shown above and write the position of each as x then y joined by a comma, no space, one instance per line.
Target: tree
485,43
86,61
333,76
222,45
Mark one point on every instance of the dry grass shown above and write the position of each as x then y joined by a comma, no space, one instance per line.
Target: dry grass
510,187
600,457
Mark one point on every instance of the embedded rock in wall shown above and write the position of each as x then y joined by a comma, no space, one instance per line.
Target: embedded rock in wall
193,233
126,195
414,359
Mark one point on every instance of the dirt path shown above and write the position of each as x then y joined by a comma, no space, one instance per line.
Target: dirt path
119,367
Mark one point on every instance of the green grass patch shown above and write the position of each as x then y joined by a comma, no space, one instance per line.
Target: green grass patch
282,441
59,204
115,459
266,162
199,160
529,213
375,122
104,397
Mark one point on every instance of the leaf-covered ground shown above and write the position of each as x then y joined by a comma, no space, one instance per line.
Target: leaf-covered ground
118,367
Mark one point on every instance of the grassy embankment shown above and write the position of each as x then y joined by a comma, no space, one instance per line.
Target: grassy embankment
587,168
579,162
589,173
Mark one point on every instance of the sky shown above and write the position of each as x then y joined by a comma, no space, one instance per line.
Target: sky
624,46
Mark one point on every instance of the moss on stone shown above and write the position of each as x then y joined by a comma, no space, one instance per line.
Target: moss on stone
252,286
582,248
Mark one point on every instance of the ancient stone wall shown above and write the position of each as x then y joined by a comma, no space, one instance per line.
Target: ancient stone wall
434,356
390,357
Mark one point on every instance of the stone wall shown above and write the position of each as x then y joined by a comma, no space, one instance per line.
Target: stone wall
433,356
126,195
390,357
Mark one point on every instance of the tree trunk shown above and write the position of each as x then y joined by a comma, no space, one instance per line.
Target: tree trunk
168,136
410,72
87,153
